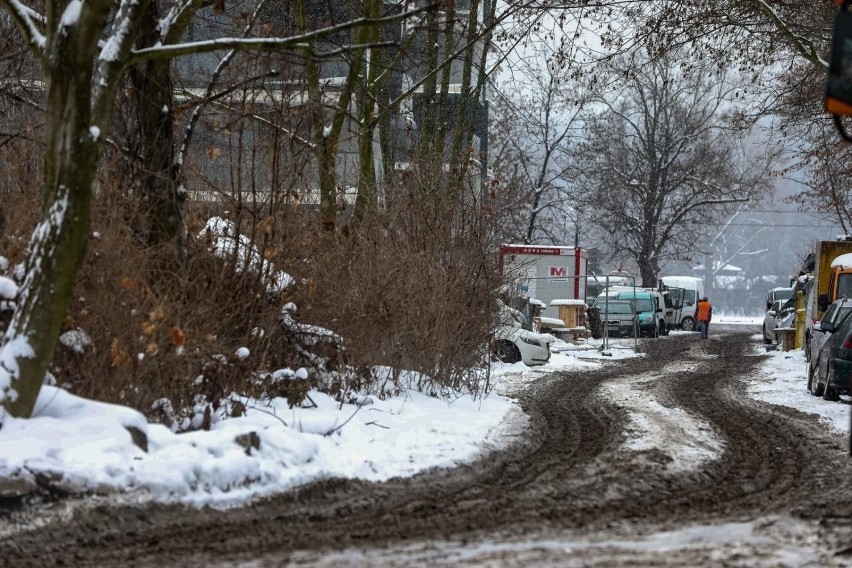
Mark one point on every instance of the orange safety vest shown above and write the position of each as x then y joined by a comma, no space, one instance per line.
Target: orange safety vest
704,311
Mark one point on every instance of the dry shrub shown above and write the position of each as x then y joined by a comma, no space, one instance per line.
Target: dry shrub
153,341
412,289
407,290
21,170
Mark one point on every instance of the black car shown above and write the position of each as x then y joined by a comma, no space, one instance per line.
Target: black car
829,371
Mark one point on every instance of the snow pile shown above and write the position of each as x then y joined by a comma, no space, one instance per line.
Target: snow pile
220,234
79,444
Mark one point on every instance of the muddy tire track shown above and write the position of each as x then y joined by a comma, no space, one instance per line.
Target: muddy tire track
568,472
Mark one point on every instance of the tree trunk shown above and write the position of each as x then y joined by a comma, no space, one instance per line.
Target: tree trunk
154,103
366,197
59,242
384,124
465,111
326,138
428,127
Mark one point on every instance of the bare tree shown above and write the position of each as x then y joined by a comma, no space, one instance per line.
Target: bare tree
829,185
85,50
660,160
539,108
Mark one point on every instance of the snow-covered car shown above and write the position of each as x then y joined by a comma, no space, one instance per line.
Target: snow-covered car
772,319
513,342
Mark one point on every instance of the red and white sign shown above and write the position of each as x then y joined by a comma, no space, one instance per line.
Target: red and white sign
537,250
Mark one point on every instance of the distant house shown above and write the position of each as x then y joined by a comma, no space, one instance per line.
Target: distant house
722,277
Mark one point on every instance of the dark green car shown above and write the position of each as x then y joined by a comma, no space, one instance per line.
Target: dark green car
828,376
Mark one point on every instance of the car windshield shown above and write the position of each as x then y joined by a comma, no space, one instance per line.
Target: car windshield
644,305
784,294
617,308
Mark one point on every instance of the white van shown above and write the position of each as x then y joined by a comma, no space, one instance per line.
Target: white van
685,292
777,294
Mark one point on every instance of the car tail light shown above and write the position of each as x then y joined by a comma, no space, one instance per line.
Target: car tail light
847,343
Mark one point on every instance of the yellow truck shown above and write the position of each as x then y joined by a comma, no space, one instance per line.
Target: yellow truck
832,279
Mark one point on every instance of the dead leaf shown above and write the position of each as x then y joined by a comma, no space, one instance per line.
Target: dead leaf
120,358
148,328
177,336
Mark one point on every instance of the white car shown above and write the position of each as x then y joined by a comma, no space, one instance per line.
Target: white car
513,343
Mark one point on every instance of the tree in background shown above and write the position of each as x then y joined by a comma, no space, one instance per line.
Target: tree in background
660,160
830,185
783,47
538,111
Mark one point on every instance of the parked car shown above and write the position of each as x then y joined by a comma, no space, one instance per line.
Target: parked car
649,313
664,301
833,316
514,341
777,313
685,291
830,365
618,317
777,294
835,313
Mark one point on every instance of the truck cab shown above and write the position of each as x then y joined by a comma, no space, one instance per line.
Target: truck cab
840,280
832,279
777,294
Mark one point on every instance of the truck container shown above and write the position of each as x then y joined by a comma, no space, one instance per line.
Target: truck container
546,273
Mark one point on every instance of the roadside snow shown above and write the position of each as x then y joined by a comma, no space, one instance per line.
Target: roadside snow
784,380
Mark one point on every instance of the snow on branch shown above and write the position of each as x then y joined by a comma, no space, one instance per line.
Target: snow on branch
25,18
121,35
801,45
296,42
177,13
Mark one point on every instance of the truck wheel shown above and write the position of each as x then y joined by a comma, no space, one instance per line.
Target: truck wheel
688,324
766,340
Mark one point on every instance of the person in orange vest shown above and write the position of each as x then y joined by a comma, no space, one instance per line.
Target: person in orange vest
704,314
